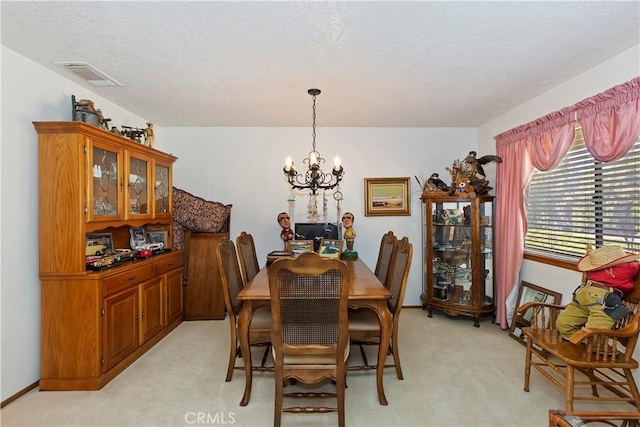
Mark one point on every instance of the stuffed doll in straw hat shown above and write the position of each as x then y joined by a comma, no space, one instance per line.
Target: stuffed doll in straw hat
598,303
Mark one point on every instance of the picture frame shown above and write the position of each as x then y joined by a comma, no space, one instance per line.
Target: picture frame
330,248
98,244
137,237
529,292
300,246
387,196
159,236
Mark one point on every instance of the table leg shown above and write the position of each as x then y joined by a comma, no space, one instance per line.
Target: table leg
385,336
244,320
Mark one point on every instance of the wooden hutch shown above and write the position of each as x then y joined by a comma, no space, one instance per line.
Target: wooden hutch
96,323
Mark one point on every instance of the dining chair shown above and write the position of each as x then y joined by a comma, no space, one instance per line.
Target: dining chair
384,256
364,326
309,334
232,284
248,259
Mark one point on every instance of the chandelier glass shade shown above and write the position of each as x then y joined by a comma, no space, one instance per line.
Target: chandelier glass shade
313,178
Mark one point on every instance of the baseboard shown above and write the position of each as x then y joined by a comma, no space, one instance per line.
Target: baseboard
19,394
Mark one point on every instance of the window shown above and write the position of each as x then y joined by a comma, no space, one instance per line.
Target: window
584,202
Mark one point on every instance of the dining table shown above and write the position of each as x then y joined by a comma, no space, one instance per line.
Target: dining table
366,291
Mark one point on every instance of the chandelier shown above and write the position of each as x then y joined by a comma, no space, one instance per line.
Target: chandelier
314,178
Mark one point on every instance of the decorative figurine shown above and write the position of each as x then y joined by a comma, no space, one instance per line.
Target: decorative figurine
349,235
148,135
287,233
477,163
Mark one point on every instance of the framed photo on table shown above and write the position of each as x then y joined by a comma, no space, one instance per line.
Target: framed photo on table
330,248
387,196
300,246
157,237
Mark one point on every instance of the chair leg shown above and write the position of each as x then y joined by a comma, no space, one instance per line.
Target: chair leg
264,356
364,356
569,387
233,354
396,355
277,415
527,367
632,387
340,392
593,379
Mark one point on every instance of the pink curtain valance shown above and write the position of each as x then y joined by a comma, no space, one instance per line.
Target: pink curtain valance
536,127
611,121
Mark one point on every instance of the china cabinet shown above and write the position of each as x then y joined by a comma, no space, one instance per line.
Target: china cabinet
96,323
458,271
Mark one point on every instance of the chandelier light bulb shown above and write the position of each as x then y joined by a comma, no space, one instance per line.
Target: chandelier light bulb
288,164
313,159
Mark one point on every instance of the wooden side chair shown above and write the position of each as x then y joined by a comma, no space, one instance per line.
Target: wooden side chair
364,326
232,284
384,256
309,334
248,258
604,356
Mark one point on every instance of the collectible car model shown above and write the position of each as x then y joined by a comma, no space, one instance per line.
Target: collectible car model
104,261
126,254
144,252
155,246
94,247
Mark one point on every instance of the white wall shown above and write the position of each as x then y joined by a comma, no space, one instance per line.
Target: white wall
243,166
30,92
615,71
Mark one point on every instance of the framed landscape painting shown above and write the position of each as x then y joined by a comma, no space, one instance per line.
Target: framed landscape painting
387,196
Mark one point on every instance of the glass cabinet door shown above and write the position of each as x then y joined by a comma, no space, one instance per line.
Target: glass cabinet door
104,192
138,194
486,251
162,190
452,252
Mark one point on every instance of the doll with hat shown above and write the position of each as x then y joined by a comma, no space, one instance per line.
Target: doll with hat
598,303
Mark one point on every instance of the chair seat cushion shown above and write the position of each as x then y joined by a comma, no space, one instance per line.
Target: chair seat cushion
363,320
261,321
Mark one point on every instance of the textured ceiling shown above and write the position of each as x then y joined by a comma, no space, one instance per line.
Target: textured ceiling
391,64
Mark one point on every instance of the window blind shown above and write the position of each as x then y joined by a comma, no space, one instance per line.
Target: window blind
584,202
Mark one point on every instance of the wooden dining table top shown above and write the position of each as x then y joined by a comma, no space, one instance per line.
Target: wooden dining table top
364,284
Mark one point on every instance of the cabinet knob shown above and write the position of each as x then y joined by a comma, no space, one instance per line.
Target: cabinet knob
143,315
132,278
170,264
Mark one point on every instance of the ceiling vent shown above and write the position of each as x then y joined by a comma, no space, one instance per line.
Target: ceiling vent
89,73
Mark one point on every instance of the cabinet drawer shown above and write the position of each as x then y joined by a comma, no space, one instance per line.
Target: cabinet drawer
124,280
169,263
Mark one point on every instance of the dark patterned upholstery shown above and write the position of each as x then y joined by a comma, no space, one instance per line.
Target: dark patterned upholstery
196,214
